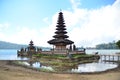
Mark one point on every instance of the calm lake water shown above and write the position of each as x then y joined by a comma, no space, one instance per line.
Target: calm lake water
105,51
12,54
94,67
89,67
82,68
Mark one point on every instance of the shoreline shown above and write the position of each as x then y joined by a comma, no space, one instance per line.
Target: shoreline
11,63
13,72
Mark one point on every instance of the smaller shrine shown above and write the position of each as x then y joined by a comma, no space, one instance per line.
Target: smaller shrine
29,51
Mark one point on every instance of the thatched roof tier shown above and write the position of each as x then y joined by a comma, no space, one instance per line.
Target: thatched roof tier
59,28
61,31
60,36
59,41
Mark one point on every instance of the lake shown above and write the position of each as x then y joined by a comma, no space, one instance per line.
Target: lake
103,51
12,54
88,67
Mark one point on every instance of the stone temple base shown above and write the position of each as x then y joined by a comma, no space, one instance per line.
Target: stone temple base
63,52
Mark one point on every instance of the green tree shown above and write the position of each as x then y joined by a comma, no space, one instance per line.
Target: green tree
110,45
118,43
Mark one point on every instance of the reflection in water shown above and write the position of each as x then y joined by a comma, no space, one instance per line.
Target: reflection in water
94,67
38,65
35,64
88,67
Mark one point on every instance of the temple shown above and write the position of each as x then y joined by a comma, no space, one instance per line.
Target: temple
29,51
60,40
61,43
31,46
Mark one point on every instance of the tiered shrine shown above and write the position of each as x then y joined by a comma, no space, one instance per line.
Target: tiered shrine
29,51
60,40
61,43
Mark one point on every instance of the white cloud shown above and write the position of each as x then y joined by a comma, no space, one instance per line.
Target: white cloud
90,27
39,36
85,27
75,3
24,35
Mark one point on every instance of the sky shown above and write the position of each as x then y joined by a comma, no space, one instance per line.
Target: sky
88,22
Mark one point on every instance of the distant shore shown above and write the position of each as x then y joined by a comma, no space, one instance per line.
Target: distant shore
12,72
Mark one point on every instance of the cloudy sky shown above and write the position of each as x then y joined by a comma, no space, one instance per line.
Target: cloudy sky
89,22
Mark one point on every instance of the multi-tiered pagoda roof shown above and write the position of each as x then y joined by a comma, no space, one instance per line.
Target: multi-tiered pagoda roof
60,36
31,45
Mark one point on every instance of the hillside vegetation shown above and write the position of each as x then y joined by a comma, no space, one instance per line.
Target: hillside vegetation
110,45
8,45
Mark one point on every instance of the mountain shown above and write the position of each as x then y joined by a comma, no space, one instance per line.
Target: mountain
8,45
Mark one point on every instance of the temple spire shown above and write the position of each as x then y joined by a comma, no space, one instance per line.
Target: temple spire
31,43
60,38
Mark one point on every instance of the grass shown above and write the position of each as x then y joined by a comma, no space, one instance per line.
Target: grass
60,56
55,56
58,59
81,55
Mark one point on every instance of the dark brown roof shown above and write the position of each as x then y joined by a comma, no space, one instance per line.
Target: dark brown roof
59,28
57,41
60,34
61,31
31,43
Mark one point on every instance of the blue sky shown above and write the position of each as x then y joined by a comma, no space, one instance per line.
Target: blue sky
31,12
23,20
24,12
93,4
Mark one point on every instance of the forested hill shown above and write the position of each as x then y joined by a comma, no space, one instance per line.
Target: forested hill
8,45
111,45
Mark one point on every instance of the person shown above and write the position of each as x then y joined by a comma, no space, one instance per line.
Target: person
96,53
84,49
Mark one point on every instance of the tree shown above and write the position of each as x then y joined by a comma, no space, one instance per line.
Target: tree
118,43
110,45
